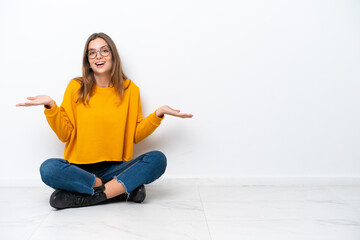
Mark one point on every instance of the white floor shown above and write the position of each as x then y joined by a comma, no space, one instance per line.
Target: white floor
177,211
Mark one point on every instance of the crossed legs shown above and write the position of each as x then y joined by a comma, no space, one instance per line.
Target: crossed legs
121,178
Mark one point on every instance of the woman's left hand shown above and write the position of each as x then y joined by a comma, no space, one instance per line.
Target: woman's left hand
174,112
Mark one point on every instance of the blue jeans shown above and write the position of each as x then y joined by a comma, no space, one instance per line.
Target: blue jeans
60,174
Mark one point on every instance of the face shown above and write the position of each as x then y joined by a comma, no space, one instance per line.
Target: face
99,62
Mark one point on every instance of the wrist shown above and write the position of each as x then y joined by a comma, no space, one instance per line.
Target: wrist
50,104
159,113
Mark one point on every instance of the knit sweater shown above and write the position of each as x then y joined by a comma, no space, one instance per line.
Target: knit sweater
104,130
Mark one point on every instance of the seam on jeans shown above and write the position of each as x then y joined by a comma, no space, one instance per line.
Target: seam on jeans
137,161
125,171
132,164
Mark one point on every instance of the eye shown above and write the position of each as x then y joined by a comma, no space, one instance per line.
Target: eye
105,49
91,53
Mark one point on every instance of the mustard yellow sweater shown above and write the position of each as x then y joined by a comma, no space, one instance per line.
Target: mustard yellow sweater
104,130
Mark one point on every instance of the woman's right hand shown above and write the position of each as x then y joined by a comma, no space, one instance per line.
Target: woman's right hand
45,100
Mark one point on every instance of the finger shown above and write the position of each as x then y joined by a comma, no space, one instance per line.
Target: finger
187,115
31,98
172,111
170,108
23,105
184,115
28,104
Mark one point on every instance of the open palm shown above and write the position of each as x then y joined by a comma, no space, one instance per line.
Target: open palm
170,111
37,100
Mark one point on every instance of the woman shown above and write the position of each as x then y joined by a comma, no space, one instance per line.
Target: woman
99,119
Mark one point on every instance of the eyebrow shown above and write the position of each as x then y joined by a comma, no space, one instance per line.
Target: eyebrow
99,48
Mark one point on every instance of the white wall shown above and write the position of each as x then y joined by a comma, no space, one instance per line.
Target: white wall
274,85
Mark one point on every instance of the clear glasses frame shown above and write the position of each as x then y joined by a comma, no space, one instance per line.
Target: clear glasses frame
104,51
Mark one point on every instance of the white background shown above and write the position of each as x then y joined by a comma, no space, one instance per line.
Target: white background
273,85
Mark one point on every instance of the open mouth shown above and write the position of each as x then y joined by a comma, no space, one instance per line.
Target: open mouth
99,64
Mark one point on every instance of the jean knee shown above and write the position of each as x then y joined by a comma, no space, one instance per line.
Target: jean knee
49,168
159,159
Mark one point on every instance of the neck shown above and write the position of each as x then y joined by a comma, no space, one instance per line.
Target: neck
103,80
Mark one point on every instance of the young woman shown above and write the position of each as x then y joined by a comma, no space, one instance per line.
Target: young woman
99,119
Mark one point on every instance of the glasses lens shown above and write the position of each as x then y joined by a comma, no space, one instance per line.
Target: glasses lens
91,53
105,51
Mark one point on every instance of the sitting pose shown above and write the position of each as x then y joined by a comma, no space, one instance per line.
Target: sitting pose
99,120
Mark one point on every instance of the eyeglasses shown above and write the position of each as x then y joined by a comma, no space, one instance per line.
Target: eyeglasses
104,51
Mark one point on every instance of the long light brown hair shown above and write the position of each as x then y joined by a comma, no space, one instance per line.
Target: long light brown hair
88,81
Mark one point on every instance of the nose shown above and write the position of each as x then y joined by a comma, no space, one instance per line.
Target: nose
98,55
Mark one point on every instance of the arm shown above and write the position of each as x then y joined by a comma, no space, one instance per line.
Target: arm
59,122
59,118
147,126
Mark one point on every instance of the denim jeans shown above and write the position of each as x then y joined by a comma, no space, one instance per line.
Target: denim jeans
60,174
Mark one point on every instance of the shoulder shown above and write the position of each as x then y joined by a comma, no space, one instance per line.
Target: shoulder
129,85
72,88
74,85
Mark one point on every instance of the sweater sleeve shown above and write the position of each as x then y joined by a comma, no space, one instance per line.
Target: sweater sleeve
147,126
59,118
